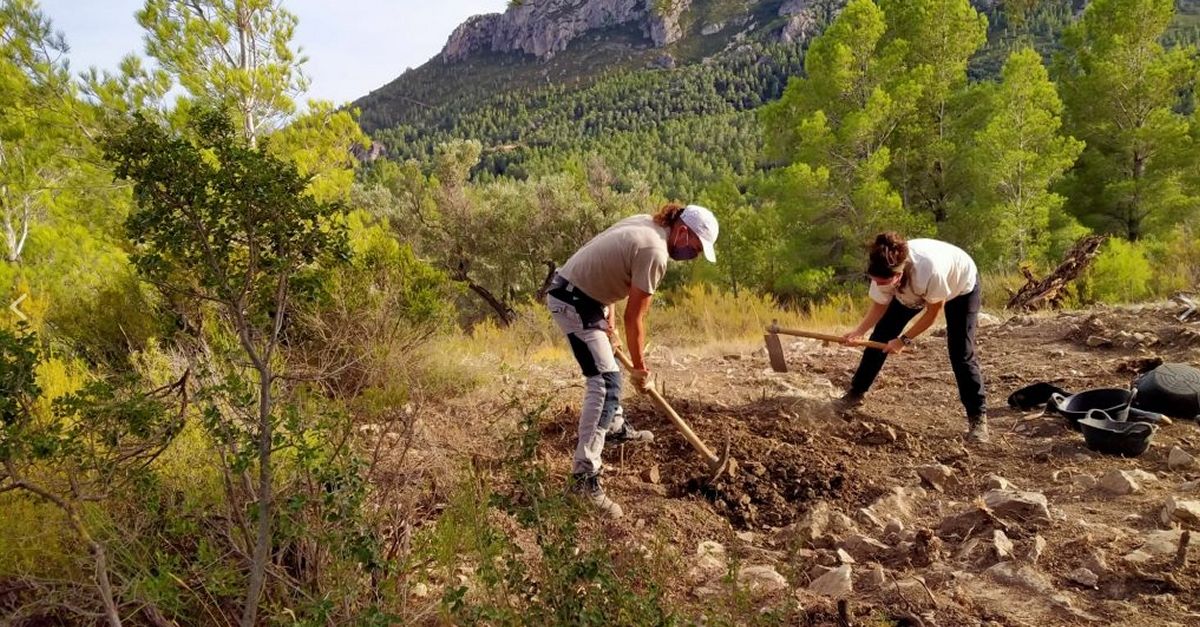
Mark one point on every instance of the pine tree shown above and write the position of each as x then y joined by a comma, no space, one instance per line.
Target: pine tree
1122,89
236,52
935,40
1015,157
833,127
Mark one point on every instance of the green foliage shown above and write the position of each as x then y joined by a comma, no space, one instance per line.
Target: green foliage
675,129
18,378
833,126
229,51
1121,274
1015,157
469,231
221,219
1123,91
935,39
320,144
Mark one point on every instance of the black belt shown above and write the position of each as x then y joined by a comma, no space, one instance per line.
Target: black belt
563,290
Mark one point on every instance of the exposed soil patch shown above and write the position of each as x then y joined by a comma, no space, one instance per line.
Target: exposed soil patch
796,456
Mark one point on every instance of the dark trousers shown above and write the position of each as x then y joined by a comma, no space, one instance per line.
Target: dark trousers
962,316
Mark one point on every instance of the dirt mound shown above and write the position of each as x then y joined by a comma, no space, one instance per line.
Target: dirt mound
772,493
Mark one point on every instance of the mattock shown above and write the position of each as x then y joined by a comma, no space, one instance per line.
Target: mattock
716,465
775,347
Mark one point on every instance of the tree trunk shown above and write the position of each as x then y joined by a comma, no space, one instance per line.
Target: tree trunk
262,545
102,581
1038,294
503,312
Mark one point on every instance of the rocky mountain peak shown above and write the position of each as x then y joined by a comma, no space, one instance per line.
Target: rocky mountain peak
543,28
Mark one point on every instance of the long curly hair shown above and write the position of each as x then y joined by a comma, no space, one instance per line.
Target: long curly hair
668,214
888,254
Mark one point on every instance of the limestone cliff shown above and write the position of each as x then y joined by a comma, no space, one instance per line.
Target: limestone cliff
543,28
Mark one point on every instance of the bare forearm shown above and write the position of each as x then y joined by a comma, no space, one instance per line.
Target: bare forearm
924,322
635,334
874,315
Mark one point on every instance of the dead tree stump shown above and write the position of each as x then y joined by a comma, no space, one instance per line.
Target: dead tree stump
1049,292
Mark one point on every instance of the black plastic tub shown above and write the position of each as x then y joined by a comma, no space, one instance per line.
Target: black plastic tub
1113,437
1076,406
1171,389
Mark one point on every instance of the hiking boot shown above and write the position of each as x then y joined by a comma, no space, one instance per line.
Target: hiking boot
628,435
849,401
588,486
978,428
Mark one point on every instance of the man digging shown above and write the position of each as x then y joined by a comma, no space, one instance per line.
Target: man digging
626,260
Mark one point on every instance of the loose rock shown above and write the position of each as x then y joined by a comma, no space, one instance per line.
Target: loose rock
996,482
1024,507
1020,576
863,548
938,476
652,474
1097,341
1181,512
865,515
1002,545
761,579
1160,544
1143,476
835,583
710,561
1119,482
1180,459
875,578
879,435
1096,563
1084,577
900,504
1036,548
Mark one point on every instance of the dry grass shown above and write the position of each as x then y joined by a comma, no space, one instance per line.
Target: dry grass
694,316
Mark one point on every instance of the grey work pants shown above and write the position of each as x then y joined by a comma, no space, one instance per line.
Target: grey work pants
602,410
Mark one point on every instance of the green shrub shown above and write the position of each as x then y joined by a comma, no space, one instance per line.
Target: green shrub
1176,259
1121,274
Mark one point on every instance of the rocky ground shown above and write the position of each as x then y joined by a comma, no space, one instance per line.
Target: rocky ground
887,509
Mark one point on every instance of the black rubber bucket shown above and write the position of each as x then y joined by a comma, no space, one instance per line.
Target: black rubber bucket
1076,406
1171,389
1113,437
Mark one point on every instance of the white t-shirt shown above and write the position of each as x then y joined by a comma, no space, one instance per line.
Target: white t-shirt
940,272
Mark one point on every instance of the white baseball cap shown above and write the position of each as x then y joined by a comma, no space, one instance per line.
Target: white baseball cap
703,223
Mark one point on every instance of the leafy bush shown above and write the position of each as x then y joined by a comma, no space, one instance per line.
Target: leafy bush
1121,274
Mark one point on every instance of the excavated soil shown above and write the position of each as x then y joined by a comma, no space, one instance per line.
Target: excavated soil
799,462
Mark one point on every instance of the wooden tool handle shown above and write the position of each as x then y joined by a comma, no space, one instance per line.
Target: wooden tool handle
666,408
774,328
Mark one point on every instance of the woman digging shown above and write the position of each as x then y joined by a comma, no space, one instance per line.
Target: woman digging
627,260
906,278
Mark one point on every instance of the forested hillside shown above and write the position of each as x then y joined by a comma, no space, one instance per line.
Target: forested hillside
694,131
670,128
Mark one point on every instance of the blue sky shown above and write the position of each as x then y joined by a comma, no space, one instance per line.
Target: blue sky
353,46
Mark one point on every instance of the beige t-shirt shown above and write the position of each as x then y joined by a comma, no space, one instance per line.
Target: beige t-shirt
630,252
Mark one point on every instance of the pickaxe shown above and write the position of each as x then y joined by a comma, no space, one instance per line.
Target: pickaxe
716,465
775,347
